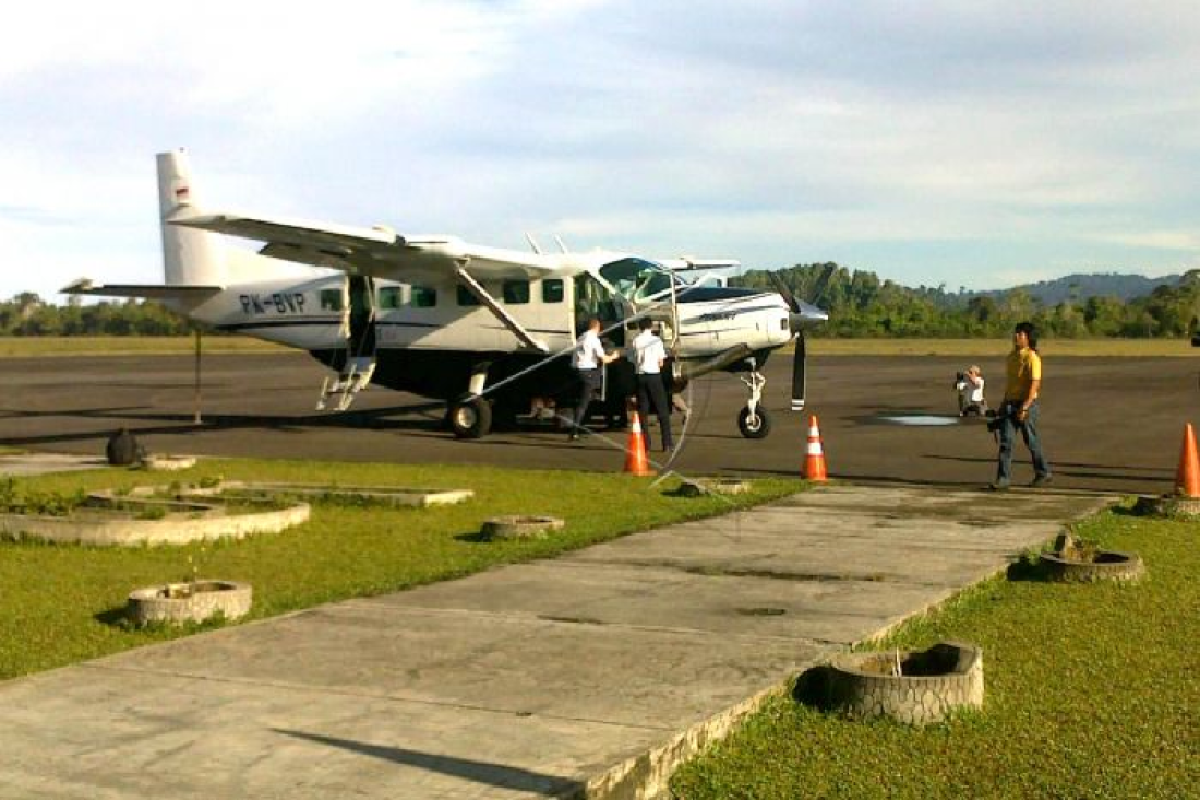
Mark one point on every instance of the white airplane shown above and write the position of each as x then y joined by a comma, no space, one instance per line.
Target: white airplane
487,330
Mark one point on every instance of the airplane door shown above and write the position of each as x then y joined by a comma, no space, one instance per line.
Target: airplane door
360,338
593,299
355,364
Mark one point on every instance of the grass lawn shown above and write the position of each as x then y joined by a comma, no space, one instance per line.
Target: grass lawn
1091,691
1132,348
42,346
60,603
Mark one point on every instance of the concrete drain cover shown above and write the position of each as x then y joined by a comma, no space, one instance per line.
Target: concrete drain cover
146,515
1076,560
520,526
920,420
913,687
194,601
1169,506
168,463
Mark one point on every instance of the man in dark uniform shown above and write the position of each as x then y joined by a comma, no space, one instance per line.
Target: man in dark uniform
649,356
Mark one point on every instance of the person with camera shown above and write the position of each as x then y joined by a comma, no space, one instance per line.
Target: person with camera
1019,411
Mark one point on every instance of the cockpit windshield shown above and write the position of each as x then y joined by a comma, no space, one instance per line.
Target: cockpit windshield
638,280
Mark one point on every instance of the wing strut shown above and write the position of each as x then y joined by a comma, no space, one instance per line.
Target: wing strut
481,294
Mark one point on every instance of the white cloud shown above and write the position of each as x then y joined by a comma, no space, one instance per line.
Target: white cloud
927,141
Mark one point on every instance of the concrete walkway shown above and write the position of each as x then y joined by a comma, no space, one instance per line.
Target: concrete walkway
590,675
25,464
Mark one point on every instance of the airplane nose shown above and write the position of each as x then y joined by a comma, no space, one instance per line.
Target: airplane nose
807,316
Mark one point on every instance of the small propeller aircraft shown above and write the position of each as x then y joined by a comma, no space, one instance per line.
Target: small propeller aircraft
487,330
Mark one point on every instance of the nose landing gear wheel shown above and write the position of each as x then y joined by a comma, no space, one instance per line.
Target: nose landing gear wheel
470,418
754,425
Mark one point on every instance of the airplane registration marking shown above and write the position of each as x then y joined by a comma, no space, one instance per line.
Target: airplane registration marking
277,302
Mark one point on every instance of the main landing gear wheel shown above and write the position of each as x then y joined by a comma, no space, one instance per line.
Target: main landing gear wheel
754,425
470,418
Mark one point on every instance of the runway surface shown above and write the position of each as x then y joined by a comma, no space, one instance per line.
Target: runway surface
1109,424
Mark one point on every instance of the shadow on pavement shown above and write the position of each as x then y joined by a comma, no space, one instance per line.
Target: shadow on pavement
477,771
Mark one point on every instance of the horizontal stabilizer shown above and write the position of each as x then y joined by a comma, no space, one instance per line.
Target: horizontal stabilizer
148,291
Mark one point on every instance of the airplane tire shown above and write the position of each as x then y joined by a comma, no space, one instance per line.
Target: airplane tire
755,427
470,419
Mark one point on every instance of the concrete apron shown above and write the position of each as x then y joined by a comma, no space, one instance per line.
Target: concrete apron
24,464
591,675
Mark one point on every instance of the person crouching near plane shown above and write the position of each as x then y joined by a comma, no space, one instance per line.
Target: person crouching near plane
1019,411
970,392
589,360
649,356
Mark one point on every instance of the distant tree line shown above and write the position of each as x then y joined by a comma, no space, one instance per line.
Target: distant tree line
860,305
27,315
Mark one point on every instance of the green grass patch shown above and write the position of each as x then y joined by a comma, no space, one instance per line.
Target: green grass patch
43,346
1066,348
1091,691
61,603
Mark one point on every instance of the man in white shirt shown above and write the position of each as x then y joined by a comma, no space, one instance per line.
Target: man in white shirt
970,393
649,357
589,360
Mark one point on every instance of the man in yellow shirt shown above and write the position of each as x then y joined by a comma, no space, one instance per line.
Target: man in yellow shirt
1019,411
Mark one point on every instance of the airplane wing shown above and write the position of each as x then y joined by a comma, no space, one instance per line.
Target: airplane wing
377,251
83,286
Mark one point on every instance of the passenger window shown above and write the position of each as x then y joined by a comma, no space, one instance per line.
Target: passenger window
423,297
389,297
331,299
516,292
552,290
465,298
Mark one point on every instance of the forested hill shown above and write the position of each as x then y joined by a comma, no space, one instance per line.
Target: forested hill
1080,287
860,304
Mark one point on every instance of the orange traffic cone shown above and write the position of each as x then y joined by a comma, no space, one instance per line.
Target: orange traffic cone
814,458
1187,475
636,462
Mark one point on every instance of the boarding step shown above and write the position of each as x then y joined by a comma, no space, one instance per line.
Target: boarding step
352,380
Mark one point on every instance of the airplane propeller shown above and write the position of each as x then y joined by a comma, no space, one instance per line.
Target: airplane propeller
802,315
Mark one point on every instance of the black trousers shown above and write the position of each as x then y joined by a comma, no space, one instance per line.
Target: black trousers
651,389
591,381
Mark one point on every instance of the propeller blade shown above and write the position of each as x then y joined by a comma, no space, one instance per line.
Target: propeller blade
784,291
821,285
798,367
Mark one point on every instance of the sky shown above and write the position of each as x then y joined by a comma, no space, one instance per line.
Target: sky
974,144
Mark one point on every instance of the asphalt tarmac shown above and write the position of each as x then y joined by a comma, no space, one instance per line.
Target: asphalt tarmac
1108,424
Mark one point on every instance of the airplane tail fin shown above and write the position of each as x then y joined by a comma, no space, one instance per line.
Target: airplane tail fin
190,257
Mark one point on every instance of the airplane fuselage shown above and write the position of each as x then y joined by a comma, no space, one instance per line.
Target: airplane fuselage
429,337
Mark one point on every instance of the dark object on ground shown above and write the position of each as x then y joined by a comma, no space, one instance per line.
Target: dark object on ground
122,449
996,418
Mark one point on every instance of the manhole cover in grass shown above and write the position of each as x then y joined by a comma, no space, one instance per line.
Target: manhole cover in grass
1077,560
520,526
1169,505
914,687
194,601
